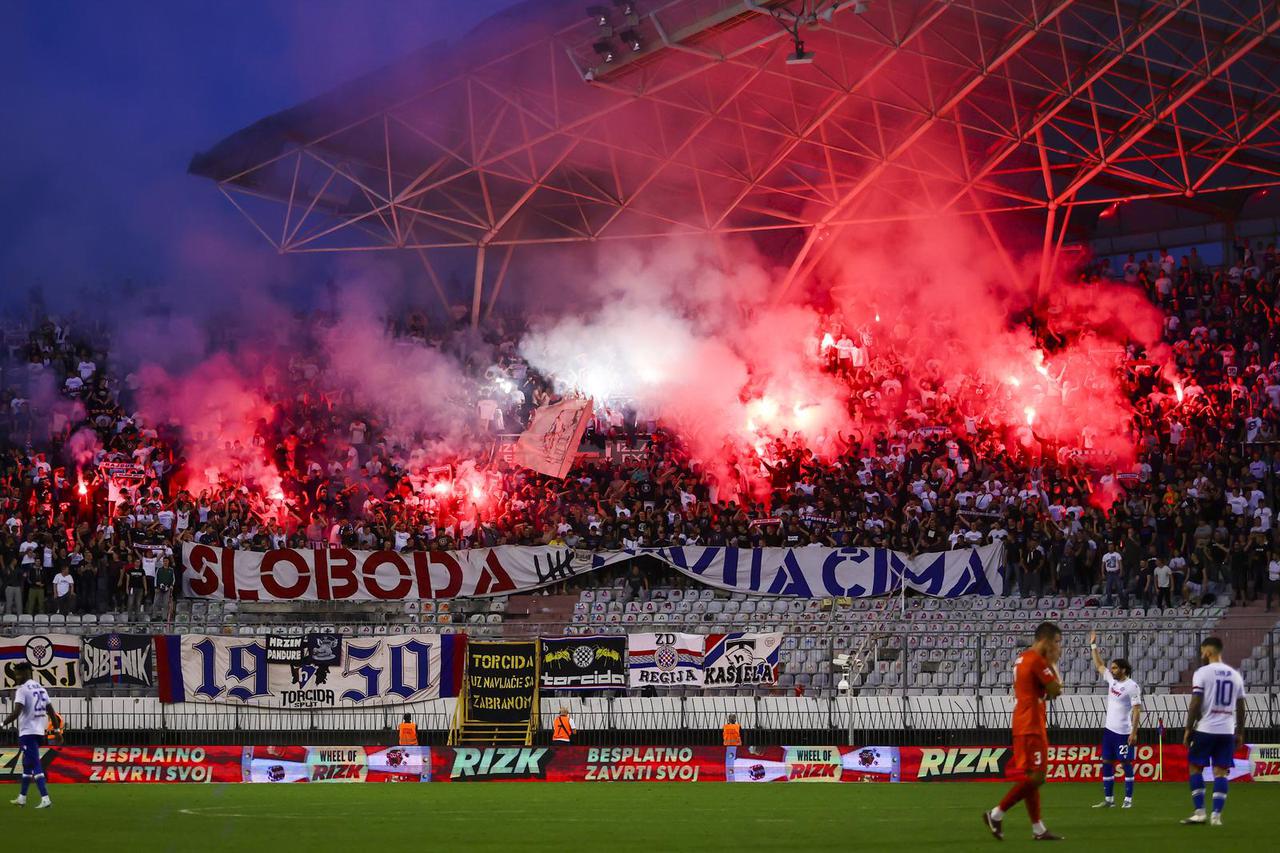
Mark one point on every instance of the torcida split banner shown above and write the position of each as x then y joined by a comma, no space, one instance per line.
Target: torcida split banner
369,670
583,663
340,574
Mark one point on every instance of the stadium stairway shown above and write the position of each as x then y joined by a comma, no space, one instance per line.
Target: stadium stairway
1247,627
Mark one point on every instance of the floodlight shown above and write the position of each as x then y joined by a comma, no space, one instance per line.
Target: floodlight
605,50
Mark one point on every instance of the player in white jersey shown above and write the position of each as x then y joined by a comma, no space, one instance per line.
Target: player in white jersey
31,709
1124,714
1215,728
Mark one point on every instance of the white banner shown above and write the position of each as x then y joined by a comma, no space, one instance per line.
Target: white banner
553,436
340,574
54,659
384,670
834,572
742,660
666,660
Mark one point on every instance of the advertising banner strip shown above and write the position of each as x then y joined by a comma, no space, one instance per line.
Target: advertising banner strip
130,764
578,764
1066,763
1264,761
340,574
357,672
291,764
814,764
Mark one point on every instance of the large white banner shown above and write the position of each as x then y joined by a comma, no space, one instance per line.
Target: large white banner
340,574
742,659
553,436
312,671
823,572
666,660
54,659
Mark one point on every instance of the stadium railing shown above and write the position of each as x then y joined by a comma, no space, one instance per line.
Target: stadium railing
904,705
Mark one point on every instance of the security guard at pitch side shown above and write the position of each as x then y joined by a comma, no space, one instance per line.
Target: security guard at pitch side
562,728
732,732
408,732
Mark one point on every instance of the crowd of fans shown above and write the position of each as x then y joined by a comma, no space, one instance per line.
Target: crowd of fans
95,500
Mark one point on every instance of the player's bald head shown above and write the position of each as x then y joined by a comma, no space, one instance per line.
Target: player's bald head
22,670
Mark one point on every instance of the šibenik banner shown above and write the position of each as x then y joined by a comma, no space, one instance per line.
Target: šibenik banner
116,659
340,574
383,670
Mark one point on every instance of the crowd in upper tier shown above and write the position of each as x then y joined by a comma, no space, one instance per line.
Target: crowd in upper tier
1192,518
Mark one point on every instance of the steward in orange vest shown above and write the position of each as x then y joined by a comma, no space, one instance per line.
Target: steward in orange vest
732,732
53,730
408,732
562,729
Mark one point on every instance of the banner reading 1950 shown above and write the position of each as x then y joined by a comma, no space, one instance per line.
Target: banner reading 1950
309,671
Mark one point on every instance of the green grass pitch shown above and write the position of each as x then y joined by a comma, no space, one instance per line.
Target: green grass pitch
614,818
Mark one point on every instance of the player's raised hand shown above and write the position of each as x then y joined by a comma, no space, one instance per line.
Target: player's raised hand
1093,636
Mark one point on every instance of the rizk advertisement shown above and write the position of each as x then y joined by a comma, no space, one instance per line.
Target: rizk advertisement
813,764
1067,763
1264,760
578,764
336,764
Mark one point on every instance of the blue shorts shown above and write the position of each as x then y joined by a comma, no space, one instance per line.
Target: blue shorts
31,754
1207,749
1115,747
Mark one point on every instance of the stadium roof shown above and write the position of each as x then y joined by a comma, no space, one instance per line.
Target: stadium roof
686,118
